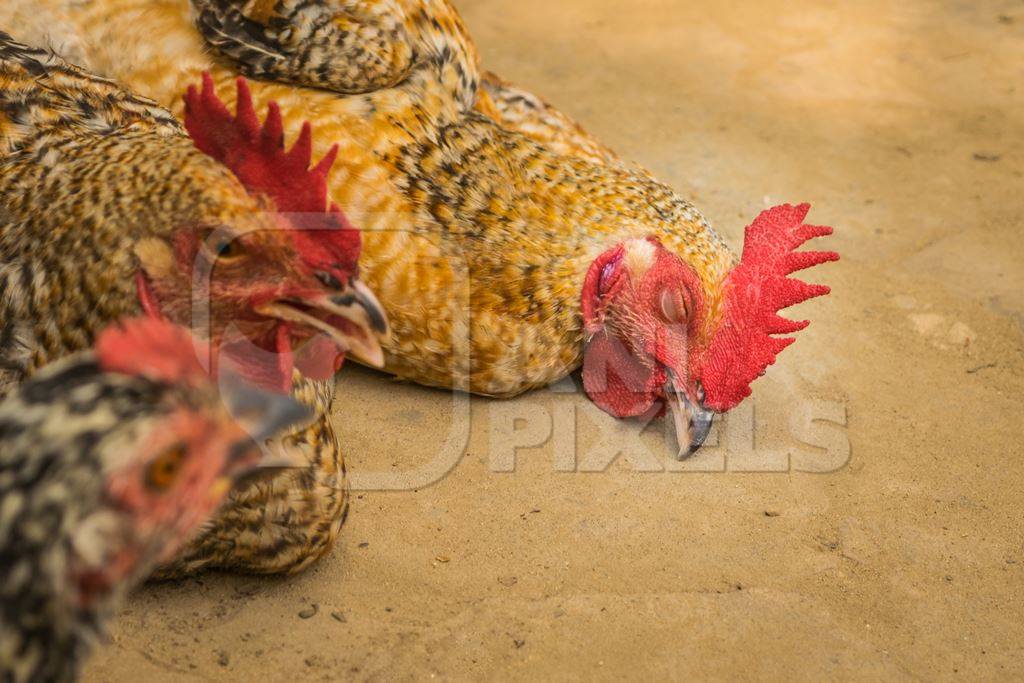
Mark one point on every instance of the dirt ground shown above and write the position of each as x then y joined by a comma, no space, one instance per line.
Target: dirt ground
890,544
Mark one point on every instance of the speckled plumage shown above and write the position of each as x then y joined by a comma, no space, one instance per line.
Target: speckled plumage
105,471
90,176
282,523
479,232
50,483
524,112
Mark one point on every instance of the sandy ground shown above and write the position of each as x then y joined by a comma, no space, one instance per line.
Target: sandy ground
889,544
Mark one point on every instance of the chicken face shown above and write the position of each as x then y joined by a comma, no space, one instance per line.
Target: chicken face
267,303
274,268
173,471
163,478
651,341
643,309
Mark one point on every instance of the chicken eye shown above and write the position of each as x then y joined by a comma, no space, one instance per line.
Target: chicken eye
163,470
226,249
673,309
223,246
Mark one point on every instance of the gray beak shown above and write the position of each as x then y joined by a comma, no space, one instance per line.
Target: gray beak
356,304
262,414
692,420
361,295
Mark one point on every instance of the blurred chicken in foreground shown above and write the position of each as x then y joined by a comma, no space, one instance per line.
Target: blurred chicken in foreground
109,463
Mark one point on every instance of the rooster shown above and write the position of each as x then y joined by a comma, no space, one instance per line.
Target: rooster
531,252
110,460
107,208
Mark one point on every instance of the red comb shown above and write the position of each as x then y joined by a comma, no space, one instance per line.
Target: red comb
153,348
743,348
256,154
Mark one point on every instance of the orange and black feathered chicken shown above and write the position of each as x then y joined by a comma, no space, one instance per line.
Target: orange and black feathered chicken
508,247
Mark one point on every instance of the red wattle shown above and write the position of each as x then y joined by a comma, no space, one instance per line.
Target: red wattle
319,358
615,380
267,364
286,360
147,299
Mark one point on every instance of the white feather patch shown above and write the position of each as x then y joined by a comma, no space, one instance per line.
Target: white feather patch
639,256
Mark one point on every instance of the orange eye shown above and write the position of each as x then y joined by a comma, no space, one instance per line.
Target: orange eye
164,469
227,250
223,245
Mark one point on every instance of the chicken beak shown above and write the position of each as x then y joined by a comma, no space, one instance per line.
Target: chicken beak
361,295
352,317
358,305
261,415
691,419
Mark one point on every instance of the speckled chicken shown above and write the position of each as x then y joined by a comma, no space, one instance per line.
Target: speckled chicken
508,246
110,461
107,209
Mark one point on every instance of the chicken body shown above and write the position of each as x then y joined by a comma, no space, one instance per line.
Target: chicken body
478,233
93,182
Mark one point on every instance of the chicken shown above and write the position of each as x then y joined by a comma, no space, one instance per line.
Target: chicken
521,111
508,247
108,208
110,460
